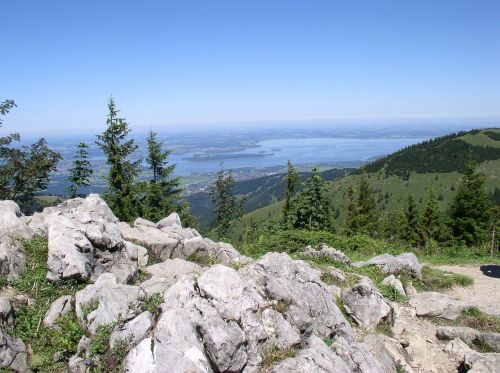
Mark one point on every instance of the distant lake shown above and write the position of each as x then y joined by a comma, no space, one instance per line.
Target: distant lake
303,150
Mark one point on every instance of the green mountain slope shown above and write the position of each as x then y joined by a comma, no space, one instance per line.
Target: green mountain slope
413,170
259,192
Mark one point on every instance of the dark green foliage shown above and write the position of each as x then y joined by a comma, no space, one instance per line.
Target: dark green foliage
351,221
314,205
80,172
442,154
45,342
495,197
227,207
432,221
469,209
163,192
412,224
361,213
291,191
121,193
152,304
24,170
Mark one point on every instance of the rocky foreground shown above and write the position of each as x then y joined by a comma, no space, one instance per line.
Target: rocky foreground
274,314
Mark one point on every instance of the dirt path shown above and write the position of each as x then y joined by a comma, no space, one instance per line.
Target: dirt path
484,294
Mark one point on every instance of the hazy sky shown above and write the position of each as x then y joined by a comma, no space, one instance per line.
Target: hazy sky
189,61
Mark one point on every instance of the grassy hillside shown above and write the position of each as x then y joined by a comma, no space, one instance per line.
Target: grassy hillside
392,188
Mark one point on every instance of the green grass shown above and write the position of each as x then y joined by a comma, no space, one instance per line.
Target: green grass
436,280
45,342
276,354
473,317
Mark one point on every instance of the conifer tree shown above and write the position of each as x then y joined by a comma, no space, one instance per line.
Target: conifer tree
292,188
469,210
351,222
314,205
121,193
24,170
432,220
227,207
366,219
412,226
163,192
80,172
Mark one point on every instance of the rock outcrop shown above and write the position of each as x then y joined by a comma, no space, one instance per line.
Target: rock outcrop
324,251
435,304
274,314
394,265
367,305
13,230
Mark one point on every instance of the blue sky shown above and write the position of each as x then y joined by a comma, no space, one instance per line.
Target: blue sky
170,62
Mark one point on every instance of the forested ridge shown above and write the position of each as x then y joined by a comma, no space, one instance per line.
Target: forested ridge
443,154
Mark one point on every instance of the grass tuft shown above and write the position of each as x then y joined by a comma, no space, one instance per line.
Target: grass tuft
152,304
276,354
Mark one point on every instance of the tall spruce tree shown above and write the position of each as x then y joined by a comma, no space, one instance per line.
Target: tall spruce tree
121,193
80,172
366,219
163,192
351,221
432,225
469,210
227,207
314,205
412,226
292,189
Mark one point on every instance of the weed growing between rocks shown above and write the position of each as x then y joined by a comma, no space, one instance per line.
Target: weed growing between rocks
275,354
328,341
40,294
152,304
104,358
473,317
90,307
203,260
282,306
340,304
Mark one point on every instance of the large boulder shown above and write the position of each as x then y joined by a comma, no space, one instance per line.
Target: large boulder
470,336
107,301
84,241
324,251
434,304
367,305
394,265
13,229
